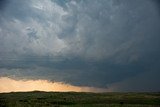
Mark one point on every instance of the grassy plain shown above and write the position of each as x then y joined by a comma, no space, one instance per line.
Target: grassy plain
74,99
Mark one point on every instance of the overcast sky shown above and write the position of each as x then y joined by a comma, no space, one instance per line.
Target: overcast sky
113,44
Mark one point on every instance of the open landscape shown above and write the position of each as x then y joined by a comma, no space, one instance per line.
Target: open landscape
79,53
80,99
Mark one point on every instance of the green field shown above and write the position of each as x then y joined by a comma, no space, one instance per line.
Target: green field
73,99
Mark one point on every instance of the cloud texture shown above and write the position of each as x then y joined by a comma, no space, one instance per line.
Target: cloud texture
82,42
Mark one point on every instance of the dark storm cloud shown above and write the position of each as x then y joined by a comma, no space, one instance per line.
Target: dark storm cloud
84,42
158,2
3,4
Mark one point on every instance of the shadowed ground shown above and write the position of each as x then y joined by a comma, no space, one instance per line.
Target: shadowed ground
73,99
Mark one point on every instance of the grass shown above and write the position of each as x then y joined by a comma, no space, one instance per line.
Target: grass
73,99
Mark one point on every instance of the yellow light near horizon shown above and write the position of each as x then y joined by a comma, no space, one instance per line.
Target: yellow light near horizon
11,85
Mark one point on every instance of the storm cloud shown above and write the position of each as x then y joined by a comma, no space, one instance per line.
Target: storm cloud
98,43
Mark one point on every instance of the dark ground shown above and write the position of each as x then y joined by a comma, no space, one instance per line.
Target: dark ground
73,99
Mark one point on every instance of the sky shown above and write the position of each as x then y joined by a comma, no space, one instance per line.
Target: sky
80,45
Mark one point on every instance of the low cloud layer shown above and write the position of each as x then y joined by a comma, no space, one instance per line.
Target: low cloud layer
11,85
96,43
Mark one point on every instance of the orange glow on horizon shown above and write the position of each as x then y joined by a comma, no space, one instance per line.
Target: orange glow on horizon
11,85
